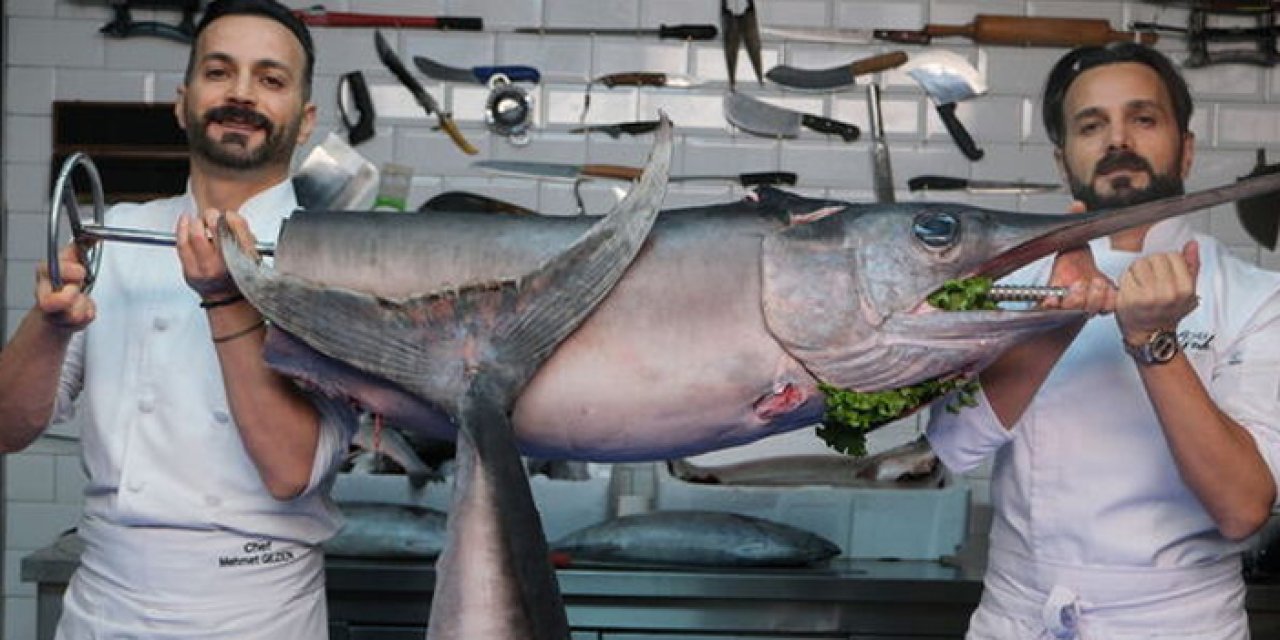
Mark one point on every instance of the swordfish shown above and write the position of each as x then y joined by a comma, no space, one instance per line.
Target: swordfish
584,338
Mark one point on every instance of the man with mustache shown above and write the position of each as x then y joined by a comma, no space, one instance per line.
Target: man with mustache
207,472
1135,451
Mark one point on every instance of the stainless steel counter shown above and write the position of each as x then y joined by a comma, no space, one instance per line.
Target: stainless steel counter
864,599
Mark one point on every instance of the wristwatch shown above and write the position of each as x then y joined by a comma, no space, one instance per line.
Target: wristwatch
1161,346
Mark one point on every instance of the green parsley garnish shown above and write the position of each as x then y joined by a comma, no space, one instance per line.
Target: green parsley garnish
969,294
851,415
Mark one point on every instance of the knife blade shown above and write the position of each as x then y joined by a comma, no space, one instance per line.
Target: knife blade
565,171
424,99
835,77
762,118
481,74
672,31
949,183
616,130
826,35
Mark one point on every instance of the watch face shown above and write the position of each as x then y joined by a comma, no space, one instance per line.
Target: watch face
1163,346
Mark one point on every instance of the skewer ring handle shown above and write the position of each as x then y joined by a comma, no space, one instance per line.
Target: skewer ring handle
63,201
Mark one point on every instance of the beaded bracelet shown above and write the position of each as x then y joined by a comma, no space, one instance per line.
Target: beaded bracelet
212,304
241,333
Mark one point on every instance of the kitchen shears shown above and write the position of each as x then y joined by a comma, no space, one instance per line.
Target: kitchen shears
741,28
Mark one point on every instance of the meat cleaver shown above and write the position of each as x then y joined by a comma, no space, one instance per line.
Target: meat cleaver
764,119
948,78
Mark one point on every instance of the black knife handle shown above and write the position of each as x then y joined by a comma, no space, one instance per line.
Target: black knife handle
362,129
826,125
937,183
958,132
460,23
688,31
767,177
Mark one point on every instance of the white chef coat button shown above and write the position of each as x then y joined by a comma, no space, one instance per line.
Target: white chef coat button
160,323
1061,613
221,417
145,405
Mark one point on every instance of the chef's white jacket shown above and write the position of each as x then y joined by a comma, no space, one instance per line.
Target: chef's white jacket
1095,535
173,500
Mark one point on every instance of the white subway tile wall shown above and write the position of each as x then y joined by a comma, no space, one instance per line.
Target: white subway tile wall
55,52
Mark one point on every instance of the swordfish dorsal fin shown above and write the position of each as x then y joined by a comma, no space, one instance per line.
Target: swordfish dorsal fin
426,343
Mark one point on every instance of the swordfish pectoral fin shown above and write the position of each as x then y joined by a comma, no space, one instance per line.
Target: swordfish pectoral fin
385,338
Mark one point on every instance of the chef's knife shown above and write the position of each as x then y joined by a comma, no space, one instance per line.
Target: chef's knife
835,77
481,75
762,118
616,130
621,172
948,183
397,68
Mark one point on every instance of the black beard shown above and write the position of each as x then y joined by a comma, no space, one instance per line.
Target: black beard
232,152
1123,193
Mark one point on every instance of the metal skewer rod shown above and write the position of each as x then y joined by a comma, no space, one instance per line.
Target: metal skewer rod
1024,293
87,234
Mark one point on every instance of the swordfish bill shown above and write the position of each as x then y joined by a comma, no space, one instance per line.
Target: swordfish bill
494,577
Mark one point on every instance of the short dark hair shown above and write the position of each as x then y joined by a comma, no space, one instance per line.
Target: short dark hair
1079,60
268,9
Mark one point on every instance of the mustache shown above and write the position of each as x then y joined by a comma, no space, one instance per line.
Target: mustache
238,114
1123,159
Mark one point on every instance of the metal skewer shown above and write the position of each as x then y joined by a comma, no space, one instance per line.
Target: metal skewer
88,234
1024,293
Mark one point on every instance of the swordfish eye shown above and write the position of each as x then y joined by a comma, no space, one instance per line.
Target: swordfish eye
936,229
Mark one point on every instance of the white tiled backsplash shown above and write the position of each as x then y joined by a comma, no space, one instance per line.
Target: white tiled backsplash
54,51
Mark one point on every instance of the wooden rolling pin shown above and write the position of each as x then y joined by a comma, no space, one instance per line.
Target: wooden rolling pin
1022,31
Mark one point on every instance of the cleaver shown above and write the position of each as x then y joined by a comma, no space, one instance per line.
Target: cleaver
764,119
948,78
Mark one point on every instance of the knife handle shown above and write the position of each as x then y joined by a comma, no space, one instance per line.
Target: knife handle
636,79
878,63
767,177
459,140
826,125
688,31
613,171
514,73
958,133
902,36
937,183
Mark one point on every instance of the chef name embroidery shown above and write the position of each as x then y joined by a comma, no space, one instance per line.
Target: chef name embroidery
256,553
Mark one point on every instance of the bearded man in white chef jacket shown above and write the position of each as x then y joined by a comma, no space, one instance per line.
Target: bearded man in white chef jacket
1137,450
207,471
